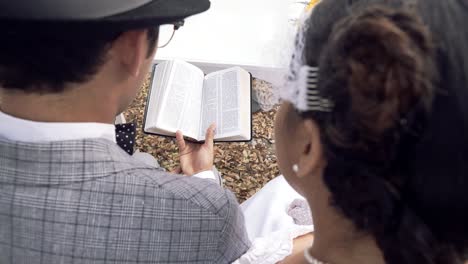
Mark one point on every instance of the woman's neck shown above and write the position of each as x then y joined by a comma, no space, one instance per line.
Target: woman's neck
336,240
356,251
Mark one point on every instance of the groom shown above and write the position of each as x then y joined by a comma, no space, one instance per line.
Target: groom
68,193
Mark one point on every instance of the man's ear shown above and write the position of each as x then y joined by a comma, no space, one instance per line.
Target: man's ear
311,148
131,50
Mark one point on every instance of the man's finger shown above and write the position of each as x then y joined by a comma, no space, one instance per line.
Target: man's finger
180,141
210,133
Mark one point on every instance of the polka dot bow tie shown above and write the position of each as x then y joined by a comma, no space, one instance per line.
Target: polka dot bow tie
125,136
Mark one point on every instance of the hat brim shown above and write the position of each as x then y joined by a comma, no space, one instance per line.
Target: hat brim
159,12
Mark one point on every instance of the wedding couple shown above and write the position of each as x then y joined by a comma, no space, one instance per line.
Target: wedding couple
372,134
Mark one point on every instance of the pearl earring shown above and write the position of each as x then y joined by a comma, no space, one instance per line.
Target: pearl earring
295,168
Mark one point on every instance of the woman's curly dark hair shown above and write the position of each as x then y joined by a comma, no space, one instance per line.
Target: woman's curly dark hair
383,67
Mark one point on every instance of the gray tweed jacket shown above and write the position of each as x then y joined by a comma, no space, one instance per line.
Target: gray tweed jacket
89,202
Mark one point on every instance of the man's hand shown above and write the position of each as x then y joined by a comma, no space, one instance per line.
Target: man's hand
195,158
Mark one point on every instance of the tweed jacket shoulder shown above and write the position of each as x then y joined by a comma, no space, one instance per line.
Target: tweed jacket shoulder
87,201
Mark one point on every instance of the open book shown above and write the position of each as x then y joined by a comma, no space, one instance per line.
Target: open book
182,98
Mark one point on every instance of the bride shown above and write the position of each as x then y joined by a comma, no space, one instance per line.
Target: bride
373,134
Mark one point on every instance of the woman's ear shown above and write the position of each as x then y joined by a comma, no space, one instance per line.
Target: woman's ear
311,148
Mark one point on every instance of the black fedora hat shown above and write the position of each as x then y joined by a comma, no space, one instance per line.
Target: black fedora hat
119,13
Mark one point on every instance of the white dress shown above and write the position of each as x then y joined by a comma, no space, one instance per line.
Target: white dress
270,224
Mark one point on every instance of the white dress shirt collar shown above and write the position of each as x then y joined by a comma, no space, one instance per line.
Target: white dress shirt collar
16,129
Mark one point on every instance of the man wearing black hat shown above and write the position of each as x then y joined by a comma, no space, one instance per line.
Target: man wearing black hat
68,193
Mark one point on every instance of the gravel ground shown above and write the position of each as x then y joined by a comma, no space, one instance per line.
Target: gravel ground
246,167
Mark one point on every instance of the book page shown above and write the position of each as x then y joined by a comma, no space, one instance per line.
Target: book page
221,97
159,80
182,101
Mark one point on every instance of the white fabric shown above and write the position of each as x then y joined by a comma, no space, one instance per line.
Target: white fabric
275,247
268,225
16,129
266,211
289,91
206,175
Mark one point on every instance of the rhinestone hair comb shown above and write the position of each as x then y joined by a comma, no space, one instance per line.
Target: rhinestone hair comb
309,94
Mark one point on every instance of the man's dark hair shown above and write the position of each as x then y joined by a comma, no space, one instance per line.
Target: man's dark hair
44,59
